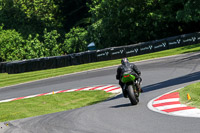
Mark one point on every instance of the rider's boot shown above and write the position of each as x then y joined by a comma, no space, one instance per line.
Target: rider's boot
139,88
124,94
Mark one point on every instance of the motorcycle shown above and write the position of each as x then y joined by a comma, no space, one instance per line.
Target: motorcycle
130,88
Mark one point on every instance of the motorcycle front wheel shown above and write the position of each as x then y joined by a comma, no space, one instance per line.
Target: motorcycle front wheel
133,97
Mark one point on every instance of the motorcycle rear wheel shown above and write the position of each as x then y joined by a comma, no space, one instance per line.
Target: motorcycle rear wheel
132,95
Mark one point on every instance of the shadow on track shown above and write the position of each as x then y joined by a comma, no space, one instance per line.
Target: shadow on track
176,81
122,105
116,97
128,104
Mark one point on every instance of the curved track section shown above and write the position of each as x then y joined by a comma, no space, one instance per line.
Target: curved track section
115,115
170,104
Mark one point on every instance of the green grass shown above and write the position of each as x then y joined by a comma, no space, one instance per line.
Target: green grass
194,91
12,79
49,104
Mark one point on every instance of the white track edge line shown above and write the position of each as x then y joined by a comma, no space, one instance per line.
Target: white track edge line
166,100
70,90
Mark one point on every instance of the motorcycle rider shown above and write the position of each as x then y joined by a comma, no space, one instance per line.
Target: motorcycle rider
127,67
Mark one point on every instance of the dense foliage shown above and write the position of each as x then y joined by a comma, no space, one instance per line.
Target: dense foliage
40,28
124,22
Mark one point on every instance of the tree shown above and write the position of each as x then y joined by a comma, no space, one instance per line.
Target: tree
75,41
120,22
42,10
190,11
73,13
123,22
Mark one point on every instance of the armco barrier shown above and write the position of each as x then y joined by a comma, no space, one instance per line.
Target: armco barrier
61,61
51,62
117,52
146,47
34,65
132,50
92,56
79,58
68,60
198,37
42,64
8,67
47,63
21,66
188,39
87,57
28,66
11,67
174,42
99,55
82,58
160,45
3,67
103,54
74,59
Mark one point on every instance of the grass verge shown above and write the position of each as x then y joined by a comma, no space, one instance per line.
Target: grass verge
193,91
50,104
12,79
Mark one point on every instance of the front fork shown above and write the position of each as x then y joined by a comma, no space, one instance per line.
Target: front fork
136,88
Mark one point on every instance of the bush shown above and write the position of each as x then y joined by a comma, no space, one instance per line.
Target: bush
34,48
51,44
12,45
75,41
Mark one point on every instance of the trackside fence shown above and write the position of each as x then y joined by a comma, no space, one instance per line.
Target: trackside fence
99,55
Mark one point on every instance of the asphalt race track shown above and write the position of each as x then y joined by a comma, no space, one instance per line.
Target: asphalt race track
115,115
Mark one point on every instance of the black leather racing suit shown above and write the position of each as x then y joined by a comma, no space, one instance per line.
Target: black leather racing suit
127,68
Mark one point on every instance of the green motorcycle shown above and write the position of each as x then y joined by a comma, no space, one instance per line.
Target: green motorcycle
130,88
